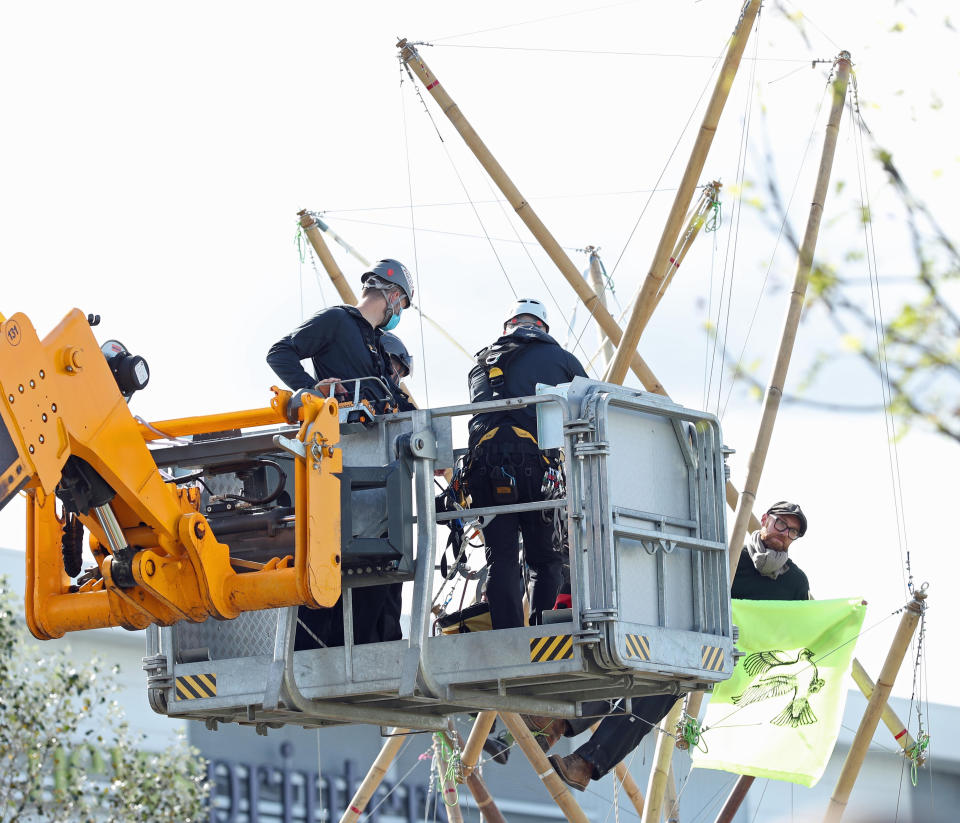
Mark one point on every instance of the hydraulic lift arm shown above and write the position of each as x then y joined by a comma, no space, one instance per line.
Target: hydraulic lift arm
66,433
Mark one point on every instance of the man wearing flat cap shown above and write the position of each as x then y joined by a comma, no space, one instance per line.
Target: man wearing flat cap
765,572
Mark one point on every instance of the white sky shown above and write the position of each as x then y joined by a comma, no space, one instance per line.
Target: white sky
154,158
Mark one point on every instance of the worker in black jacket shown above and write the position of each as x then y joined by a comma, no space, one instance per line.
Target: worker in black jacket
505,464
399,366
344,343
764,573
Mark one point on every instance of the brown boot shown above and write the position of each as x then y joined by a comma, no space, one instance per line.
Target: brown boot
546,730
572,770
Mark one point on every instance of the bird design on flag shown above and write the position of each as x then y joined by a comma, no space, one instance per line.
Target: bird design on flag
775,674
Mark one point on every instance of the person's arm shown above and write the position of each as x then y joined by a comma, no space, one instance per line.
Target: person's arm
308,340
576,367
478,385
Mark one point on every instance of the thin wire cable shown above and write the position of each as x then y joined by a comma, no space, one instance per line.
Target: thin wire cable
568,320
706,349
712,801
735,228
320,278
804,16
673,151
441,231
413,234
534,20
719,328
567,196
604,52
300,284
463,185
760,801
776,244
893,456
369,814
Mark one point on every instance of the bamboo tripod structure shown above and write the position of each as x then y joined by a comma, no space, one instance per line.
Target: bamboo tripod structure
661,265
912,613
641,315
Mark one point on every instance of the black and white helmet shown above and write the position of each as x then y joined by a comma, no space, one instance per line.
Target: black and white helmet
527,305
384,274
394,347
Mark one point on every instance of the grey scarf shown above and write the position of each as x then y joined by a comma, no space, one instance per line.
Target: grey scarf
768,562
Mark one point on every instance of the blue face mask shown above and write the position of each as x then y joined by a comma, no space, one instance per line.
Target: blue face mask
392,322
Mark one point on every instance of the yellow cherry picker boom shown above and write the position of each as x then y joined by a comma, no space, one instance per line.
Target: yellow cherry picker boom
67,434
209,532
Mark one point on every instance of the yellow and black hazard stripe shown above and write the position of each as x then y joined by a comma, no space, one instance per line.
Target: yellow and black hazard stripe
192,686
711,658
554,647
638,645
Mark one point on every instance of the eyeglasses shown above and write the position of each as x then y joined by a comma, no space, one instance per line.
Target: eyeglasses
784,528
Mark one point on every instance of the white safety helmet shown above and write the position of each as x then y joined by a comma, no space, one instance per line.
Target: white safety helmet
530,306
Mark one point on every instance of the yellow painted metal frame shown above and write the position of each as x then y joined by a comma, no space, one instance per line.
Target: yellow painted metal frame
59,399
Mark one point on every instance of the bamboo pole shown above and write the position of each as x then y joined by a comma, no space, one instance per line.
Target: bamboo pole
775,390
412,59
347,295
630,786
735,799
599,288
554,785
481,795
661,766
889,716
312,230
451,802
663,753
696,222
374,776
912,613
478,734
671,809
691,175
312,227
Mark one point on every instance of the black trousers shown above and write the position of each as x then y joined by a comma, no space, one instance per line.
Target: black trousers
502,538
376,618
619,734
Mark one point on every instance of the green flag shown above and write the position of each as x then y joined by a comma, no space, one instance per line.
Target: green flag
779,714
